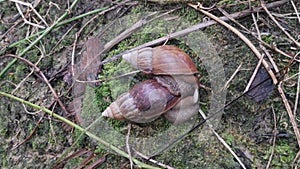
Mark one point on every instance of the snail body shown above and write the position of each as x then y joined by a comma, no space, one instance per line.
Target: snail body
173,91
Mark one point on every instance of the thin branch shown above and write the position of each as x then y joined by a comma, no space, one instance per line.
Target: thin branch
259,39
32,71
107,79
42,76
297,93
32,8
223,141
274,138
241,36
296,159
277,23
68,122
289,111
254,74
263,47
30,135
25,20
128,146
296,11
153,161
23,52
197,27
232,76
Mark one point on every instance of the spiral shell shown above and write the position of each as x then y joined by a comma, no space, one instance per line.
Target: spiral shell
161,60
145,102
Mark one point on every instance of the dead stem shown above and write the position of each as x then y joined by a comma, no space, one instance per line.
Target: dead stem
261,42
153,161
108,79
257,53
289,111
232,76
31,133
297,92
200,26
128,146
254,73
32,71
240,35
32,8
43,78
274,138
82,28
296,11
263,4
222,140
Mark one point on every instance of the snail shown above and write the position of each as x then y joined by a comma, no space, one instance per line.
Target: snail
173,91
145,102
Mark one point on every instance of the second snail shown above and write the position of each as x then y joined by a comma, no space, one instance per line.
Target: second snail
172,91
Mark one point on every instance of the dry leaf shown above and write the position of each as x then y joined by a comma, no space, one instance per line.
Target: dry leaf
86,69
263,90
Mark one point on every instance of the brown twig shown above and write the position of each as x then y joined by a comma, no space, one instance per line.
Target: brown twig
61,39
294,75
295,108
232,76
128,146
297,93
83,27
74,155
289,111
97,162
32,71
254,73
274,139
32,8
256,52
241,36
42,76
223,141
26,21
153,161
31,133
263,47
259,39
296,159
86,161
260,60
296,11
198,27
263,4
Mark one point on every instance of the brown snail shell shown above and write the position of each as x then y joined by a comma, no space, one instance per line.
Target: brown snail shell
161,60
174,92
145,102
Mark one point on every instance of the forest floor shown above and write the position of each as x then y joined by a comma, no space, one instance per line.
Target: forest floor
50,108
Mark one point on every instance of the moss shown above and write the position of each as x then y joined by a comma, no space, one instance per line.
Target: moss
20,72
268,38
